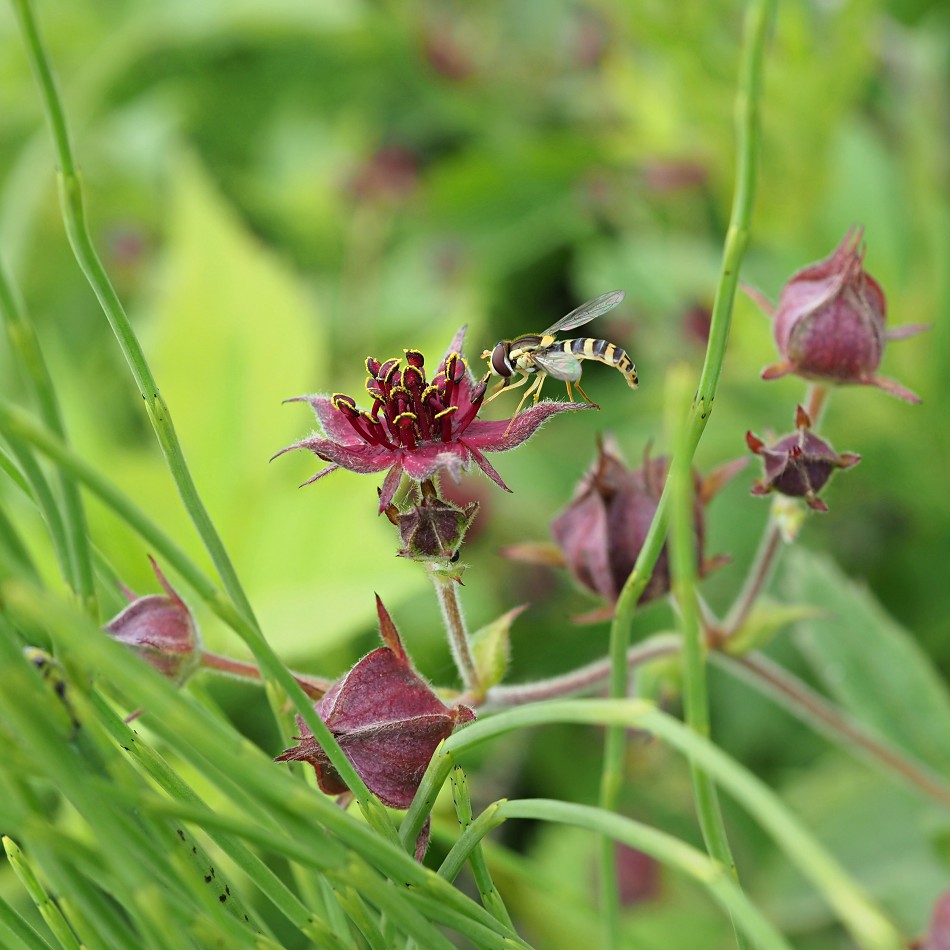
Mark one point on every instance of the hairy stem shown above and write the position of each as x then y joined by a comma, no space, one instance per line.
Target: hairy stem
759,572
806,704
584,678
313,686
446,589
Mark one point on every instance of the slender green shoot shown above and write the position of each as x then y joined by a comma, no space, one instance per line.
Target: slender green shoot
48,908
759,16
29,356
684,577
491,898
672,852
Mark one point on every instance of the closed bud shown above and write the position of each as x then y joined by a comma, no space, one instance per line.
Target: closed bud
160,628
602,530
387,720
829,324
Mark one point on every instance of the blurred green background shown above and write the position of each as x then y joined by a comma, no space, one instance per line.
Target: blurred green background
282,189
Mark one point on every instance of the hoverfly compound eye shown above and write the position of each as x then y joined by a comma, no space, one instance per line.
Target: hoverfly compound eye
500,363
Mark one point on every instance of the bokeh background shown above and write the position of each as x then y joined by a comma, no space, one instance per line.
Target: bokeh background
282,189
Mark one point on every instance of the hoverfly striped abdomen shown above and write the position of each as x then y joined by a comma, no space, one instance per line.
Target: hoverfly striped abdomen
603,351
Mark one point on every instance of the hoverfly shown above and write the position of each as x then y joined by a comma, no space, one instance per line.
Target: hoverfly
541,354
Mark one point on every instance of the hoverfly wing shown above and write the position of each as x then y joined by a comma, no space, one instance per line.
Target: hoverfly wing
558,365
587,312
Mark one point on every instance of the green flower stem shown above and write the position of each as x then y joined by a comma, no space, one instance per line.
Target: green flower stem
74,216
48,909
446,589
868,925
666,849
313,686
683,572
584,678
787,690
759,16
14,420
29,356
491,898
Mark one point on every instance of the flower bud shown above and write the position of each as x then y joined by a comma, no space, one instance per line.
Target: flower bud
829,324
387,720
160,628
602,530
431,528
799,464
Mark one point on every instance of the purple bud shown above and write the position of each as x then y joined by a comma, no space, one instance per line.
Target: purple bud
799,464
160,628
387,720
829,324
602,530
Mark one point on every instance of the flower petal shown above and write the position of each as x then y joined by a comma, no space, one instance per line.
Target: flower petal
334,424
894,388
507,434
458,341
362,458
390,486
429,458
486,466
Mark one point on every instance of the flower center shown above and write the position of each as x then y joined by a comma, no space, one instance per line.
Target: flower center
408,411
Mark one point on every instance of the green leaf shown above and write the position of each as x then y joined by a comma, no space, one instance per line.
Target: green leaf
764,621
491,648
868,662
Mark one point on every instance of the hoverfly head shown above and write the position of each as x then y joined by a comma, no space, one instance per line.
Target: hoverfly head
499,360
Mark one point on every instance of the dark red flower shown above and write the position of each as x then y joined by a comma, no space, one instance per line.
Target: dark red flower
160,628
415,427
799,464
387,720
829,324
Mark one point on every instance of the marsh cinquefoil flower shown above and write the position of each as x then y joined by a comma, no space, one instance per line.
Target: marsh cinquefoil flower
829,324
415,427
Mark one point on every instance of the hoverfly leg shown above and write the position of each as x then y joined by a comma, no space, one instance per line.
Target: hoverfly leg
581,391
506,383
535,385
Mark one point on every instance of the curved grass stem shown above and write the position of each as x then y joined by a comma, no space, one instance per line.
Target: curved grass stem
74,217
